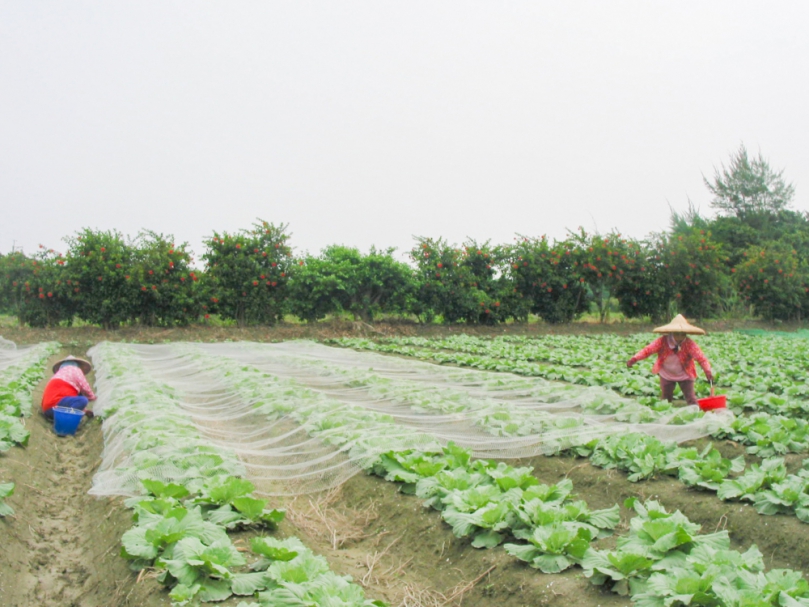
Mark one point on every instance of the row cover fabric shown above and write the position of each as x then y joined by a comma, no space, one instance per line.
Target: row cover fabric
301,417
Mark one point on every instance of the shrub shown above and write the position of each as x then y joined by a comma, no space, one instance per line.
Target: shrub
47,294
442,284
646,288
247,273
774,280
695,265
167,288
343,279
459,284
98,270
545,280
602,261
16,269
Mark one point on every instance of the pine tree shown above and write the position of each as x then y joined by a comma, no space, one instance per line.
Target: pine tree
748,186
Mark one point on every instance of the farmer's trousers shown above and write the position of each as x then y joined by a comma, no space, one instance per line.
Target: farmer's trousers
687,386
74,402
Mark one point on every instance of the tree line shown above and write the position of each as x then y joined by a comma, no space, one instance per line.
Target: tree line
751,258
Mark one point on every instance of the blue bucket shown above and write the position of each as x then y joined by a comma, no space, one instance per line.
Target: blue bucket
66,420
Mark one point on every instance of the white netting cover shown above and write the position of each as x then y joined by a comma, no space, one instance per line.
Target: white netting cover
15,361
298,417
20,370
5,344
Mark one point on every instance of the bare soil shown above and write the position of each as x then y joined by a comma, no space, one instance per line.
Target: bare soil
61,546
405,554
86,336
399,549
782,539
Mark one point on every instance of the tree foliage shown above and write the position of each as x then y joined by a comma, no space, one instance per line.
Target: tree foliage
167,287
695,265
603,262
646,289
98,270
458,284
773,278
15,270
343,279
247,273
46,296
748,186
738,234
752,253
546,279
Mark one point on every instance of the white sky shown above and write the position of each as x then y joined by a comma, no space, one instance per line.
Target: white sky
368,122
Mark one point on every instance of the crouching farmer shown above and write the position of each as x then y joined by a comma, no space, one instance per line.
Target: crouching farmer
676,354
68,387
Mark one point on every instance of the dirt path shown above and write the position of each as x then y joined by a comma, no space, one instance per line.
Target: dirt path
405,554
88,335
61,547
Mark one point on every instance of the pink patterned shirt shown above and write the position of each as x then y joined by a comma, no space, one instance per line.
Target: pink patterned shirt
673,369
75,377
687,353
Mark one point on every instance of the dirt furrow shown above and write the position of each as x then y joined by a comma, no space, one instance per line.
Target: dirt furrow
61,546
407,555
782,539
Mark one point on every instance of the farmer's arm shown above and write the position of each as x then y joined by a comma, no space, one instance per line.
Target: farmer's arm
84,386
652,348
700,357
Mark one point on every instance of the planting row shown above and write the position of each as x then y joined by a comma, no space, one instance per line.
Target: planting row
188,493
605,369
20,371
661,560
764,433
530,411
761,372
766,484
749,365
557,415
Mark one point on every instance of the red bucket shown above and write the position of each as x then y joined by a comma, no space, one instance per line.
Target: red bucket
713,402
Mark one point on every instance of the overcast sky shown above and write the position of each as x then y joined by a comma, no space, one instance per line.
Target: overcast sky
366,123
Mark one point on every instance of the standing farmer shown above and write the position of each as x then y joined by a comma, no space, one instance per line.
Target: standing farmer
676,354
68,387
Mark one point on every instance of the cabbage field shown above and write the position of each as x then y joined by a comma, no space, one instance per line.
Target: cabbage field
409,471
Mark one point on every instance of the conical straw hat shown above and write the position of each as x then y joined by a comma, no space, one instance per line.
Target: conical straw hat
84,365
679,325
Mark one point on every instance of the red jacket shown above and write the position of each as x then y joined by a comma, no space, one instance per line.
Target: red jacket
55,391
68,381
688,353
